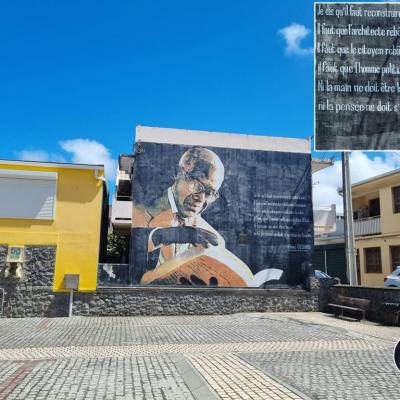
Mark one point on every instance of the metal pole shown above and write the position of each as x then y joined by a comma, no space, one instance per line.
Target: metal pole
3,295
348,221
71,300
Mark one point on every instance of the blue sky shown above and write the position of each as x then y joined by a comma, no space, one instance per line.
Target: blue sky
76,77
95,69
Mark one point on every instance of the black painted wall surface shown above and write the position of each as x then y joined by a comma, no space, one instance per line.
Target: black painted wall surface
112,274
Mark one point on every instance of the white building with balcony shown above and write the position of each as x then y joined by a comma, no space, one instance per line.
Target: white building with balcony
121,209
376,208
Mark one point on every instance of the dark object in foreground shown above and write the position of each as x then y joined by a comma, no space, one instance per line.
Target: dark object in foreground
391,313
350,304
397,355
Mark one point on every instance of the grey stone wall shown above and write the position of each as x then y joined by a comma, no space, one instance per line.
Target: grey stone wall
32,295
38,270
378,297
3,255
159,301
189,301
322,288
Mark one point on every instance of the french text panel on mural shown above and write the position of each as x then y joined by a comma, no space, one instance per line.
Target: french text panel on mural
357,76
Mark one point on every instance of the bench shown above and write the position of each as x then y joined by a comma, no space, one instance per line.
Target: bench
351,304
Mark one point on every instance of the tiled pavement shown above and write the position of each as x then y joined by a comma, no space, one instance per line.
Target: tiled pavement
242,356
232,378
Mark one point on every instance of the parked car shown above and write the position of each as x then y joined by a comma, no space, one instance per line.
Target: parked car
323,275
393,280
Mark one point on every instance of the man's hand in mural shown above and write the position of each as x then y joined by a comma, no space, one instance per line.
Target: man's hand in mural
184,234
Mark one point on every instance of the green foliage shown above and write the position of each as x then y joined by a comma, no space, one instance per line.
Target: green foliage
116,244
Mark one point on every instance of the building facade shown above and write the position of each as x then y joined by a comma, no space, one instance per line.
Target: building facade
220,209
376,210
121,215
57,209
329,248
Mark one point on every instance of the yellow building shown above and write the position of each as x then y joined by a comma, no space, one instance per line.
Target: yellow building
61,205
376,209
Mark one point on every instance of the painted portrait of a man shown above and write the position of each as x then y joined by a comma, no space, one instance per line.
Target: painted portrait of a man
173,224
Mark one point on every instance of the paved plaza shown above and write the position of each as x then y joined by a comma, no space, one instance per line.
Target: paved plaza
242,356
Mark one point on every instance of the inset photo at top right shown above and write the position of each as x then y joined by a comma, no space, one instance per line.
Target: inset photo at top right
357,76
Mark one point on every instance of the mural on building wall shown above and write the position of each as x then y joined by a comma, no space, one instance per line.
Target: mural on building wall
225,217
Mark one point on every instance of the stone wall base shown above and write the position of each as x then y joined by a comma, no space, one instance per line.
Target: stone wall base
25,300
34,301
37,302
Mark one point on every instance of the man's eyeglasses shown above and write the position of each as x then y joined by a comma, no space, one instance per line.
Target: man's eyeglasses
196,187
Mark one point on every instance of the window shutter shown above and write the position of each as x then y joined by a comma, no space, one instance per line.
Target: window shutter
27,194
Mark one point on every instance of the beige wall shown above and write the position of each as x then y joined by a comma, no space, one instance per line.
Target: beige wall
390,222
390,226
384,243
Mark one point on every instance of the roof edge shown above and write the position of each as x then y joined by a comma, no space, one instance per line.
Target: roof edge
52,164
192,137
375,178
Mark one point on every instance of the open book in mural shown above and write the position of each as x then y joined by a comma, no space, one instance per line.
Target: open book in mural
208,267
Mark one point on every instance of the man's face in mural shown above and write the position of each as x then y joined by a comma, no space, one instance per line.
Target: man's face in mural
198,181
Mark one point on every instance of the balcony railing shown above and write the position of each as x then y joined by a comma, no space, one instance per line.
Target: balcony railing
367,226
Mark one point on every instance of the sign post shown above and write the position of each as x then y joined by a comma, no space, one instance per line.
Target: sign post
71,281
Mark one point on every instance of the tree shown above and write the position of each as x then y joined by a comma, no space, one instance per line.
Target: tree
117,245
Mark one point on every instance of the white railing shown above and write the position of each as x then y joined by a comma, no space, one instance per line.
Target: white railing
367,226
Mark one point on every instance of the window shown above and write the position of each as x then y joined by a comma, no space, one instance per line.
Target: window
27,194
396,199
373,262
395,256
374,207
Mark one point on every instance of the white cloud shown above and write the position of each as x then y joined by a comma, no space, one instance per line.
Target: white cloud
293,35
81,151
327,181
85,151
39,155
